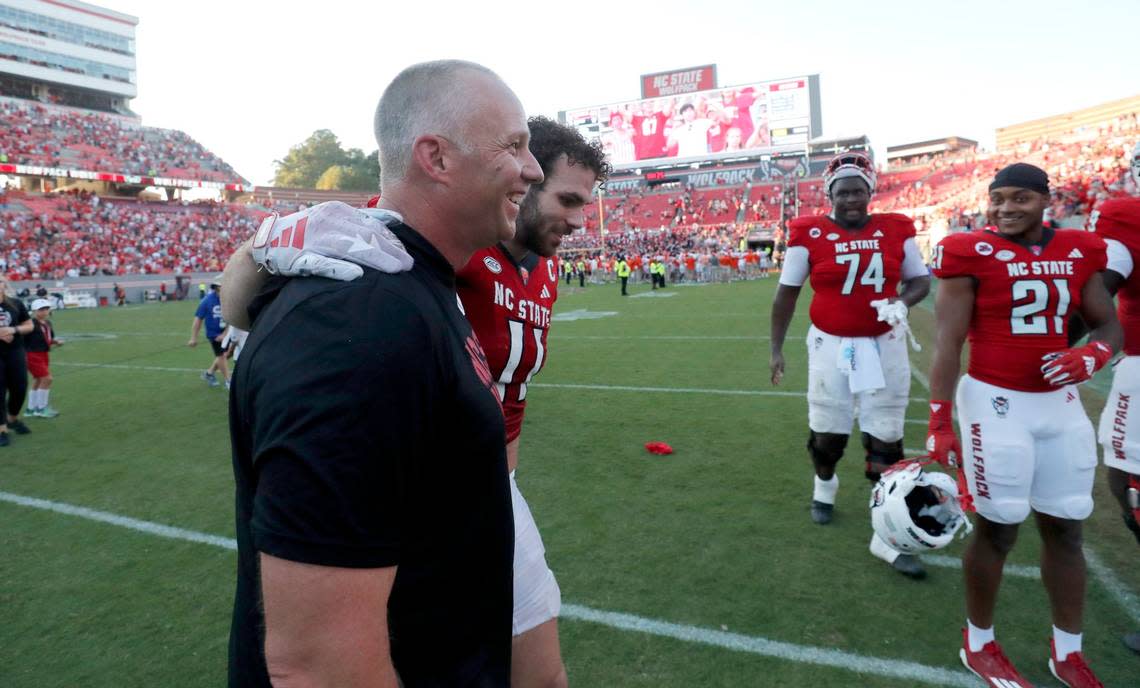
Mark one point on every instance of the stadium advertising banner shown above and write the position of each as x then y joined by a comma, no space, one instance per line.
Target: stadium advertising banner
678,82
117,178
752,119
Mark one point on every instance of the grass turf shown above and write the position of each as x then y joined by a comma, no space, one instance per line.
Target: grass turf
715,536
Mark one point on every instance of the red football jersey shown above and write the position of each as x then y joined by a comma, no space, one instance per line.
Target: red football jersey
509,308
852,268
649,135
1023,299
1119,219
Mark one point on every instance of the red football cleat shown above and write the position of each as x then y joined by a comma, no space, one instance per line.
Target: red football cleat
991,665
1073,672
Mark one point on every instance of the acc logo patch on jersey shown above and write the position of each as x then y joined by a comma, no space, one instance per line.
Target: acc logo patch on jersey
815,232
1005,255
492,265
832,237
983,248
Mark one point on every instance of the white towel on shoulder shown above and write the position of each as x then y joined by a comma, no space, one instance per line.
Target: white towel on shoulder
859,360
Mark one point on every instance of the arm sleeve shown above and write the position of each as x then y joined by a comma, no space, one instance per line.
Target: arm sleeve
912,265
1119,258
796,266
331,441
951,257
203,312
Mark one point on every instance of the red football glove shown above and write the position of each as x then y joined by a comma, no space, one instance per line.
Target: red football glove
941,441
1073,366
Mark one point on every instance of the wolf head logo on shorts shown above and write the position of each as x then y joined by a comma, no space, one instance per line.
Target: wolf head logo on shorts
1001,406
818,343
984,248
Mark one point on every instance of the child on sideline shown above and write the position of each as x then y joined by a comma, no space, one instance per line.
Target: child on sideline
38,343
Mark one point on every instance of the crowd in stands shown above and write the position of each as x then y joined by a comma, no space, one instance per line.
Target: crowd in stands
41,135
78,234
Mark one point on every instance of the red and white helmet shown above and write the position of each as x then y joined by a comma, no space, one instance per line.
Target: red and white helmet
849,164
1136,166
916,511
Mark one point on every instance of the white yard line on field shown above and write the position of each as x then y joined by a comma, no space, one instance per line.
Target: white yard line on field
1112,583
667,337
804,654
548,385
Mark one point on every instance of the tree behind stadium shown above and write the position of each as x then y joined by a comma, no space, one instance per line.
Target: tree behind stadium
320,162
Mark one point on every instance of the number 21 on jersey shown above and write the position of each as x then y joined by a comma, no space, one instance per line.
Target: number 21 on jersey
1031,300
872,276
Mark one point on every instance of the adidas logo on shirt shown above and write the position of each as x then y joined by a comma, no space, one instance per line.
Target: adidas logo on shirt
878,233
545,293
1076,253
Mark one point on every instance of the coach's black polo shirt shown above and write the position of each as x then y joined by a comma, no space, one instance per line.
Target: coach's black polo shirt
365,434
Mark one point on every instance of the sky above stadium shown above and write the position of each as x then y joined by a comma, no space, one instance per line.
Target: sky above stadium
250,79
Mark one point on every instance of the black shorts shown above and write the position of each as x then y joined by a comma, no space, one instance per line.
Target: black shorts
217,347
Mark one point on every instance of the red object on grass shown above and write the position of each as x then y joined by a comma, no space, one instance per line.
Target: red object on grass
658,448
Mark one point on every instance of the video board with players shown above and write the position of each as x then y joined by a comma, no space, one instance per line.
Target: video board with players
754,118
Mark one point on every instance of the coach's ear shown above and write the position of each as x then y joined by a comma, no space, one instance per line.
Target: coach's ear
433,156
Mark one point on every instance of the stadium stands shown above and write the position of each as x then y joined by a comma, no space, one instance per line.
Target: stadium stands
49,136
79,234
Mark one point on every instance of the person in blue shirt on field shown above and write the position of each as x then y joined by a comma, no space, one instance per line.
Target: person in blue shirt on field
210,312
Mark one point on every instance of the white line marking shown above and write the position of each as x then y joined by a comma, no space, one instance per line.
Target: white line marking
123,366
806,654
921,378
549,385
123,521
670,337
672,390
1015,570
1115,587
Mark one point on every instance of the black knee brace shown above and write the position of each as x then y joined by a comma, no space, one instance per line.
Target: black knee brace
880,453
830,453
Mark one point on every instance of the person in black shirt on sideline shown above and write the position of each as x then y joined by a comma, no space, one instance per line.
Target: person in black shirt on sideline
14,324
374,520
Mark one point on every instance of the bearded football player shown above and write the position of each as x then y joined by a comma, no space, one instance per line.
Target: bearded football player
507,292
857,355
1027,444
1118,221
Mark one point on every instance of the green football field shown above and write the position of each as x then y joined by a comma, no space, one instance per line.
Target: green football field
697,569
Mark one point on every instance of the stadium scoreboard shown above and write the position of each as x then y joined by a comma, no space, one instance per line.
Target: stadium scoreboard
686,119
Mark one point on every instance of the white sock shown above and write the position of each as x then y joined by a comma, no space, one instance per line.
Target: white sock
1065,643
34,399
44,397
978,637
825,490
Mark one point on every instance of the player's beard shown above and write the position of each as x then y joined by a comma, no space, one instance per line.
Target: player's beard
528,226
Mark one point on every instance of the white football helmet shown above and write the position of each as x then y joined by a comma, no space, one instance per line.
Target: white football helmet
916,511
849,164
